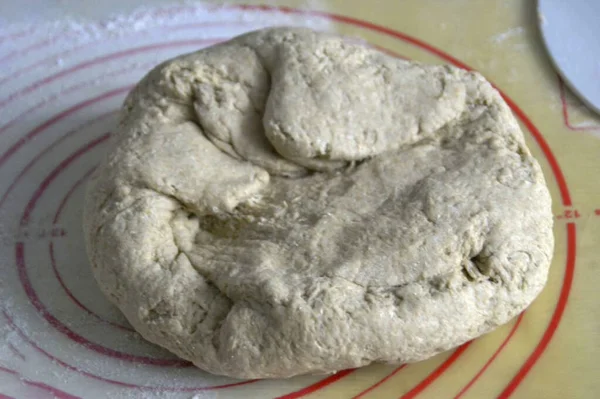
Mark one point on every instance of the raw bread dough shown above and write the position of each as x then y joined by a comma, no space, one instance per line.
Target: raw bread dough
288,203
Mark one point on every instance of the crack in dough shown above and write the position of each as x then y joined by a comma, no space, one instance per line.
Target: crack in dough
288,203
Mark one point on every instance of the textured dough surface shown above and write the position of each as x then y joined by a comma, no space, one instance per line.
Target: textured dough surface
288,203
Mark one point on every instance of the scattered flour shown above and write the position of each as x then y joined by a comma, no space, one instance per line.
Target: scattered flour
501,37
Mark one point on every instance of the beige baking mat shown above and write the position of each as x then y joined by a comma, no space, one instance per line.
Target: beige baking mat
60,337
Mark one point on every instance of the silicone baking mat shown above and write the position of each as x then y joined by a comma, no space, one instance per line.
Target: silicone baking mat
59,93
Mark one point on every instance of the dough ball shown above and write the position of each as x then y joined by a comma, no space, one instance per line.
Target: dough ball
288,203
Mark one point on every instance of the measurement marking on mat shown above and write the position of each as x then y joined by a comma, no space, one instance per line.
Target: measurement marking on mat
569,214
572,215
41,233
45,233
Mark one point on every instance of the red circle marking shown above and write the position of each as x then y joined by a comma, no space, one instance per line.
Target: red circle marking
56,393
539,138
108,57
75,68
77,301
113,382
437,372
380,382
491,359
57,274
40,128
16,146
22,173
46,150
72,89
318,385
52,57
69,193
556,316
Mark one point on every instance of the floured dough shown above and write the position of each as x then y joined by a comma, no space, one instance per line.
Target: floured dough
288,203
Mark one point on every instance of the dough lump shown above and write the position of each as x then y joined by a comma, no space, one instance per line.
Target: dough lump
288,202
